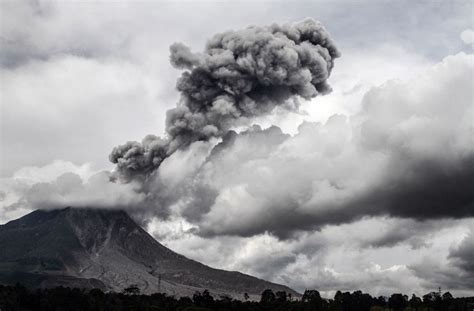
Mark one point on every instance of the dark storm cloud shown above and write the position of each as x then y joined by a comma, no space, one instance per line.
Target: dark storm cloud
240,75
426,190
412,187
423,191
407,231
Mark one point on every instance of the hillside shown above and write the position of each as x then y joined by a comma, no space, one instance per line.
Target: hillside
106,249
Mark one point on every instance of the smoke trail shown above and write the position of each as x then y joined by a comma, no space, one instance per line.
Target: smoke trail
240,75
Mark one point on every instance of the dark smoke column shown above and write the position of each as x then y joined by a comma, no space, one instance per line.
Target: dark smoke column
240,75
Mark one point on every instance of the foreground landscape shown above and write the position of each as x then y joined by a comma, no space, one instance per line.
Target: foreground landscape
60,298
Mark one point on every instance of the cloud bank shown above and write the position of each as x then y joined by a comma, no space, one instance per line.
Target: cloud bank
404,155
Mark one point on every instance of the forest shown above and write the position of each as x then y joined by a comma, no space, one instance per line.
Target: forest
64,298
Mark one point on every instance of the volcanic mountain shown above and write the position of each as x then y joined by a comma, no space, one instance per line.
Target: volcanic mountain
106,249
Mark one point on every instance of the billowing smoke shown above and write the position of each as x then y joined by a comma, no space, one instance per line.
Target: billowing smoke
240,75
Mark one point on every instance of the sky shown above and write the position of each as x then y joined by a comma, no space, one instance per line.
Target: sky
365,187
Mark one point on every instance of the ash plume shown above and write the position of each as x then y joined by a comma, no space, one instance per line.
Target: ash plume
239,75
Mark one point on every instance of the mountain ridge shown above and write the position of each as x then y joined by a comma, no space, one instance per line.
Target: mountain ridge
106,249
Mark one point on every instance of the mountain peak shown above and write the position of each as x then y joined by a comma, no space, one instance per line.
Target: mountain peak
86,247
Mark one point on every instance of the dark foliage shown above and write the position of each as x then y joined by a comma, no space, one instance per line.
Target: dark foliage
65,298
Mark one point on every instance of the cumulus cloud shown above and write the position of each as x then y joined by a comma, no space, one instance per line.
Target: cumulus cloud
403,155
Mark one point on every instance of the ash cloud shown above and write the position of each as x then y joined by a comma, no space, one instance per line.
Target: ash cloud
239,75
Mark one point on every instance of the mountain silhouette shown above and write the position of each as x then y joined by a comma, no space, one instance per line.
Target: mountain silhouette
106,249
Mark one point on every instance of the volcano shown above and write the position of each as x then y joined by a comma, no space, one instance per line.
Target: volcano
106,249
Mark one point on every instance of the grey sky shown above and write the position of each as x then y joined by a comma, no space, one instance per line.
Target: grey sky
79,78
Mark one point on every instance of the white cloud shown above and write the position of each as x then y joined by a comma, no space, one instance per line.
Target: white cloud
14,189
62,184
467,36
97,191
49,172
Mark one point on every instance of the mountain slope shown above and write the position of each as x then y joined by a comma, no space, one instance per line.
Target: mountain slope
108,250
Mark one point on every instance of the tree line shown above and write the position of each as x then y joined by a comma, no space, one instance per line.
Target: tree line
64,298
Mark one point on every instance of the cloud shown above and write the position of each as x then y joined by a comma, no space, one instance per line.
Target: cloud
463,255
98,191
84,30
337,257
126,30
13,202
62,184
467,36
452,269
403,155
84,102
49,172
